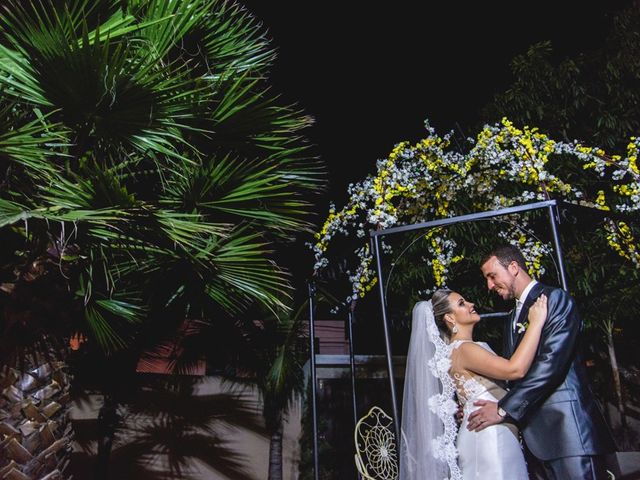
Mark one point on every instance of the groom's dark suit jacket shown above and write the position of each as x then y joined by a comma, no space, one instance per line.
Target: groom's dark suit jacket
553,404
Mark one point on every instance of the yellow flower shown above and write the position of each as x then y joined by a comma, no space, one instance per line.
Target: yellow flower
601,202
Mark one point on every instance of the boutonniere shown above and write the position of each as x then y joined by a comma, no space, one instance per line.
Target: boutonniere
522,326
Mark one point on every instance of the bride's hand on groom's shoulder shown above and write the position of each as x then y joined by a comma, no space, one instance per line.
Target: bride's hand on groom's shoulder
538,311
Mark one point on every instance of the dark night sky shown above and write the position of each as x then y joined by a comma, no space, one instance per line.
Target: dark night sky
370,73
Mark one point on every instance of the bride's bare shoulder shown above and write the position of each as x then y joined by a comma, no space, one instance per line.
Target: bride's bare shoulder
471,347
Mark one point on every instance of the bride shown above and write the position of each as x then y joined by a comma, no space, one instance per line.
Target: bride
444,360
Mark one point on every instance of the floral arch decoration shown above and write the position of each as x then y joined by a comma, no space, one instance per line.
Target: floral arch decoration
504,166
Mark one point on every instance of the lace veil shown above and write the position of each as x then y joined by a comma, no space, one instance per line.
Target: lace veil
428,433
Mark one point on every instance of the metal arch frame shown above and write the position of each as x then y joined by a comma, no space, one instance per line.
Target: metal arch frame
550,205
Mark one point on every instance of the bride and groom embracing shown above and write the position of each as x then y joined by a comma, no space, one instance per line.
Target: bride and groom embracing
547,395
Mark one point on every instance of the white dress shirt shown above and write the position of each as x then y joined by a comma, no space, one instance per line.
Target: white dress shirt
520,302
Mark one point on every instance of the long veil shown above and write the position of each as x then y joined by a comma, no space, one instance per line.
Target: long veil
428,432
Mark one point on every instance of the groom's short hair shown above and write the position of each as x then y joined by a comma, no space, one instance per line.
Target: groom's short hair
505,255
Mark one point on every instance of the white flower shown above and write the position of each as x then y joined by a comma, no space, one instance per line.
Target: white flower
450,406
443,365
433,403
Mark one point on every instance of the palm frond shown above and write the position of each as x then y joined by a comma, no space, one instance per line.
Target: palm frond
12,212
254,190
18,79
236,39
112,316
189,230
163,37
130,312
29,142
217,34
107,337
109,91
242,264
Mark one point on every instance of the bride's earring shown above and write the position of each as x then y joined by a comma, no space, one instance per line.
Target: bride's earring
454,329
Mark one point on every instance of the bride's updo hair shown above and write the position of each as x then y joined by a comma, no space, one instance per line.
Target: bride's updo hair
441,306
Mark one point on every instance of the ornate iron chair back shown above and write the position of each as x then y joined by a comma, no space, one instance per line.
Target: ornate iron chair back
376,452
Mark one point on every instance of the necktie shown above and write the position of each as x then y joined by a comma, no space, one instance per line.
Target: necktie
518,309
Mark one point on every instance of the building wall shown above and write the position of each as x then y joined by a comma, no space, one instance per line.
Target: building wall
215,432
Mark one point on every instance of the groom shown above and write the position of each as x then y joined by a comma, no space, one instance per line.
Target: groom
553,405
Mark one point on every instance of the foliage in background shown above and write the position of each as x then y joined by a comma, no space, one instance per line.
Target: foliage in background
148,174
593,96
146,168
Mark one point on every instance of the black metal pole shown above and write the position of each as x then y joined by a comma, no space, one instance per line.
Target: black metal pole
352,362
312,365
554,219
387,339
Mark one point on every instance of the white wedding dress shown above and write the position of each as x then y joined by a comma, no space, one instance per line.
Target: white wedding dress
495,452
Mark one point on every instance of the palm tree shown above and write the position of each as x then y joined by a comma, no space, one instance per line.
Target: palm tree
281,380
147,170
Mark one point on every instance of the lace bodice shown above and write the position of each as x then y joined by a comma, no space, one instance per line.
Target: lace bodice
471,386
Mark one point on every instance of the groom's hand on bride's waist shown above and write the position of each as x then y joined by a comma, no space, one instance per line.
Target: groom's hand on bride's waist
485,416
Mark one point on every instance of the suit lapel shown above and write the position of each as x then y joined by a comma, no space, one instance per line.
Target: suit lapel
534,293
509,337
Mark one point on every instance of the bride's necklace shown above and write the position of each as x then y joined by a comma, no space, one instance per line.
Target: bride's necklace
454,338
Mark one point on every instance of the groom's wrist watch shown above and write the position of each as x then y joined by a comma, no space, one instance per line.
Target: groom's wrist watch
502,412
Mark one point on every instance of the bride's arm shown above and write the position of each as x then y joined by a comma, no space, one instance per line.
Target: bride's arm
476,359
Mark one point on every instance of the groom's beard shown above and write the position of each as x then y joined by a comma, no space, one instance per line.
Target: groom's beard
508,290
512,293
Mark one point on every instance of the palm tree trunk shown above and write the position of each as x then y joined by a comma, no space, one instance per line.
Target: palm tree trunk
275,453
37,432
